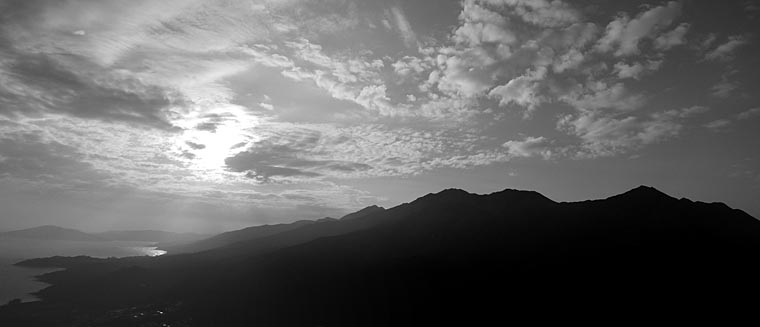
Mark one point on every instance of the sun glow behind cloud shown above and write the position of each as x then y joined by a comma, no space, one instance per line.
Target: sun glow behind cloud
205,149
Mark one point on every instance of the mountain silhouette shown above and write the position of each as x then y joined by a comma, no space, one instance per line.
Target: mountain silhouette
50,232
446,258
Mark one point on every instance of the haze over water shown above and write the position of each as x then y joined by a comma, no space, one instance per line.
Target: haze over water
19,282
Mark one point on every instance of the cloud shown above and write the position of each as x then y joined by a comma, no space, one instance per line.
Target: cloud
410,65
686,112
530,146
211,121
541,13
570,60
724,88
707,41
285,103
29,157
624,34
282,157
718,124
404,27
637,69
467,73
481,25
606,136
195,146
673,38
522,90
600,95
725,51
749,113
37,83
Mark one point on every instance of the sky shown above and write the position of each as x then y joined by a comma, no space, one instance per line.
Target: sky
190,115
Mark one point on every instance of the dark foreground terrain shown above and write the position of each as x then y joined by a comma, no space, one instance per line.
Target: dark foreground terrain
443,259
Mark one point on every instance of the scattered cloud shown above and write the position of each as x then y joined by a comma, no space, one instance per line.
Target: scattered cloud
686,112
637,69
623,34
724,88
530,146
606,136
749,113
542,13
718,124
725,51
522,90
600,95
675,37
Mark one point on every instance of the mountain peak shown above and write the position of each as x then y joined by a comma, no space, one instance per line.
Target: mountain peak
643,192
453,191
521,194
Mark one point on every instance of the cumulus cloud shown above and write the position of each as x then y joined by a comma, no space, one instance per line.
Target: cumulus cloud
410,65
624,34
467,73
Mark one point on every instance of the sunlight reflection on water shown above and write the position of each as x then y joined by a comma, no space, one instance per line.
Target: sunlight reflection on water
151,251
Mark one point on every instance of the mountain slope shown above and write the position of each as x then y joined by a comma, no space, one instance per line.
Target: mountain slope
50,232
444,258
363,212
228,238
270,236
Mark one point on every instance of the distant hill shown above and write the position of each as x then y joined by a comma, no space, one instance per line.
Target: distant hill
151,236
50,232
451,257
268,236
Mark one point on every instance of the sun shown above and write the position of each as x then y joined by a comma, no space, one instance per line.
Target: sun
207,148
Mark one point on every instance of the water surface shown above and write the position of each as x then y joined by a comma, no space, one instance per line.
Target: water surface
19,282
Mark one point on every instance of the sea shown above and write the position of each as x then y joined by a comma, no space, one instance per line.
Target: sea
20,282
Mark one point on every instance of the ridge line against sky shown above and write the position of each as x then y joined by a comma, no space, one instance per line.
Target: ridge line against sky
192,115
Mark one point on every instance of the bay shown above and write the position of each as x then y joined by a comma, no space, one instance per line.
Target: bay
19,282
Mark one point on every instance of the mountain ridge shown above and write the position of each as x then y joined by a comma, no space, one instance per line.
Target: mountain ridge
443,255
